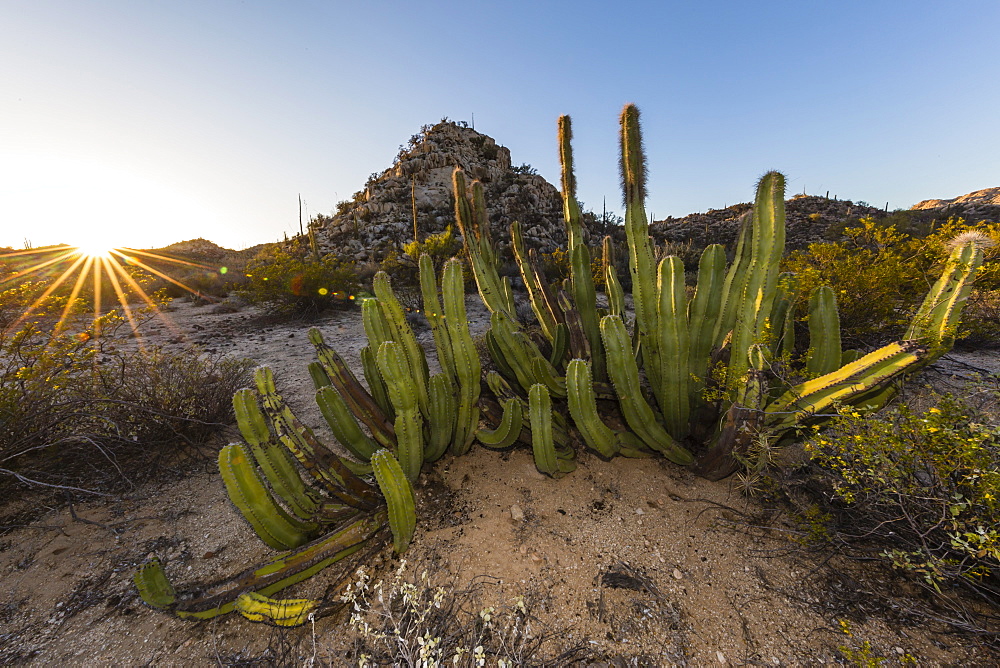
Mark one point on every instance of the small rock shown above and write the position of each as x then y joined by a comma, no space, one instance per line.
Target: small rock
537,558
721,657
516,514
640,511
677,574
898,650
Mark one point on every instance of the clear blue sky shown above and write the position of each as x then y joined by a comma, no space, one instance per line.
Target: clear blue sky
142,123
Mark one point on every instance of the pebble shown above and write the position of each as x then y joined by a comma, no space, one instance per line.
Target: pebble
721,657
516,514
677,574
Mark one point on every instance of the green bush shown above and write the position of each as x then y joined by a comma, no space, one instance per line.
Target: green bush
441,247
880,275
921,489
74,408
288,280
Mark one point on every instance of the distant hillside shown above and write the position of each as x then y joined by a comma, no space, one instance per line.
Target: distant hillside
978,198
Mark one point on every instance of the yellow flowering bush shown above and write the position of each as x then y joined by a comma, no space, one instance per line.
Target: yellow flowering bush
880,275
922,488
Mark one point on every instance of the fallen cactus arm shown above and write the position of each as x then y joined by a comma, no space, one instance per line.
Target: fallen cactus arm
218,598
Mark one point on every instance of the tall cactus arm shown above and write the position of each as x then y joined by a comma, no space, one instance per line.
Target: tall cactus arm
398,492
583,407
732,287
344,425
282,571
585,299
703,313
673,343
824,333
376,384
616,296
783,316
403,334
403,393
768,245
275,527
571,208
641,264
484,271
435,316
625,376
538,295
936,321
376,326
467,364
357,397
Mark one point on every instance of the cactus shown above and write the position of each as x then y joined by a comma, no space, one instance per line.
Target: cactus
716,368
548,459
398,492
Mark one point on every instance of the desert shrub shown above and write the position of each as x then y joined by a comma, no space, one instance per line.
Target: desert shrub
441,247
74,408
880,275
288,280
410,621
920,490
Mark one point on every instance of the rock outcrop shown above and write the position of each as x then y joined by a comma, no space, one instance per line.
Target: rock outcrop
984,197
379,219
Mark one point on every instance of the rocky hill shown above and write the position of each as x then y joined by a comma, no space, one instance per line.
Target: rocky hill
809,219
379,219
978,198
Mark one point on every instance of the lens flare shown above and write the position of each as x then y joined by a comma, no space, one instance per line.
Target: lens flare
97,264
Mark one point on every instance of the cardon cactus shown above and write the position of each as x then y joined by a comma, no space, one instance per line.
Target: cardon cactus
691,379
707,361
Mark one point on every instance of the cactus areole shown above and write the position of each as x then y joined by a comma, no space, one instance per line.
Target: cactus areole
693,379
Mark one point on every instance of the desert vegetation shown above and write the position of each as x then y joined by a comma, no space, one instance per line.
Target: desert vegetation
785,369
82,410
717,381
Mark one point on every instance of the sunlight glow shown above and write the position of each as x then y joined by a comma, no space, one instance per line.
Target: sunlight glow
96,265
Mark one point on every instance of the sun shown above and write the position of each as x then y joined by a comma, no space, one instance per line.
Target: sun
94,250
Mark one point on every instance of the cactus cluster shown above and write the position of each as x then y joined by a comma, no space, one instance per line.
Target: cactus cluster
696,379
692,379
317,507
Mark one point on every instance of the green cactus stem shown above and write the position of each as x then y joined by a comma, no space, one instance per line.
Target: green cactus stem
343,424
509,429
638,413
641,264
467,364
392,363
583,407
673,343
248,493
825,354
398,493
547,459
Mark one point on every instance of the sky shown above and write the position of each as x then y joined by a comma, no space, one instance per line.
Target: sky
143,123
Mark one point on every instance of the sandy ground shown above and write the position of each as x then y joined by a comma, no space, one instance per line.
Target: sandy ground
637,562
